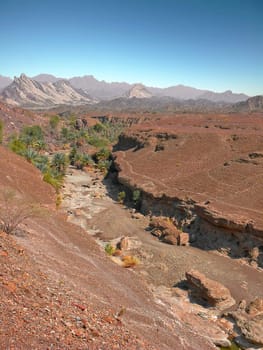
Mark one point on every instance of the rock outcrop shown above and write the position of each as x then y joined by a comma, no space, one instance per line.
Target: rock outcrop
138,91
250,321
211,292
167,232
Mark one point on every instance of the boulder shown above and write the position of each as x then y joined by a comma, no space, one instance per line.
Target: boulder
166,231
183,239
212,292
124,243
255,307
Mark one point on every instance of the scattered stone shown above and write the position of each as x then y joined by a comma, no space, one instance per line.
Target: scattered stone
124,243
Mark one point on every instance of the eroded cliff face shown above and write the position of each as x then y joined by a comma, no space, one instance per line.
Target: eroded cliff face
204,172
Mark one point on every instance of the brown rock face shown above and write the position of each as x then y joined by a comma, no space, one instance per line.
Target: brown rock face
213,292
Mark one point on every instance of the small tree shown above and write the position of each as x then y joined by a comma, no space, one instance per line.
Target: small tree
13,211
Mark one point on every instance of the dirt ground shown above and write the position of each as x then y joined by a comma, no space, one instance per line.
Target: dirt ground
89,205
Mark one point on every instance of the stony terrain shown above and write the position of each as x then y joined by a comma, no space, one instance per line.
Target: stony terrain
63,291
164,267
199,178
206,170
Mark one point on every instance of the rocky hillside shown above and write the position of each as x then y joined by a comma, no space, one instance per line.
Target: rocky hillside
4,81
253,104
51,284
29,93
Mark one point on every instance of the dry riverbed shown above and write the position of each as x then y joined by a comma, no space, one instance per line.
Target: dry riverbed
88,202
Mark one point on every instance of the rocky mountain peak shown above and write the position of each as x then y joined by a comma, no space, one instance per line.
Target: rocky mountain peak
139,91
27,92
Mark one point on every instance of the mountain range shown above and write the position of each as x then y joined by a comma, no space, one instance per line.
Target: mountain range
87,89
29,93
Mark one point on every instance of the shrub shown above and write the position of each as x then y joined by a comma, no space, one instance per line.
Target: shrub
54,121
13,211
33,135
102,154
59,163
109,249
18,146
121,196
130,261
136,196
97,141
41,162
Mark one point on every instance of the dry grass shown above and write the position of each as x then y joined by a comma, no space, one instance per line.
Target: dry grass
130,261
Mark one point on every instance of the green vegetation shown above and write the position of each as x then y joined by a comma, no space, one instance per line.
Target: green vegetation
54,121
29,144
59,163
33,136
121,196
63,133
136,197
53,179
232,347
109,249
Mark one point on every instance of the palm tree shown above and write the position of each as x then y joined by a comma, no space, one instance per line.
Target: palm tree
59,163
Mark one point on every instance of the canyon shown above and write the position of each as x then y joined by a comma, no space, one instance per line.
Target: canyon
194,231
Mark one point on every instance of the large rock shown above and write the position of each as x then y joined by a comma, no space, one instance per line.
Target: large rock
212,292
250,321
166,231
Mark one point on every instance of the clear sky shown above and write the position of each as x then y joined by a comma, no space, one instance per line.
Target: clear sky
211,44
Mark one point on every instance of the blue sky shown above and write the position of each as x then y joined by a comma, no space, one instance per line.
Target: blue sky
213,44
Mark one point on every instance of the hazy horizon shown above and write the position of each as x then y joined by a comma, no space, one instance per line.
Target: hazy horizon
211,45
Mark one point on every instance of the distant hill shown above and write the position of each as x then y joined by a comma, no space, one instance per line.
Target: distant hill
4,82
46,78
100,89
253,104
26,92
138,91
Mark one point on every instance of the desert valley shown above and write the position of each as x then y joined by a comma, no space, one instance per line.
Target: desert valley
131,216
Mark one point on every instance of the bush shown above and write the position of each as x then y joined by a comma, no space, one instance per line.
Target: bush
109,249
130,261
136,196
13,211
54,121
33,136
121,196
59,163
18,146
102,154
